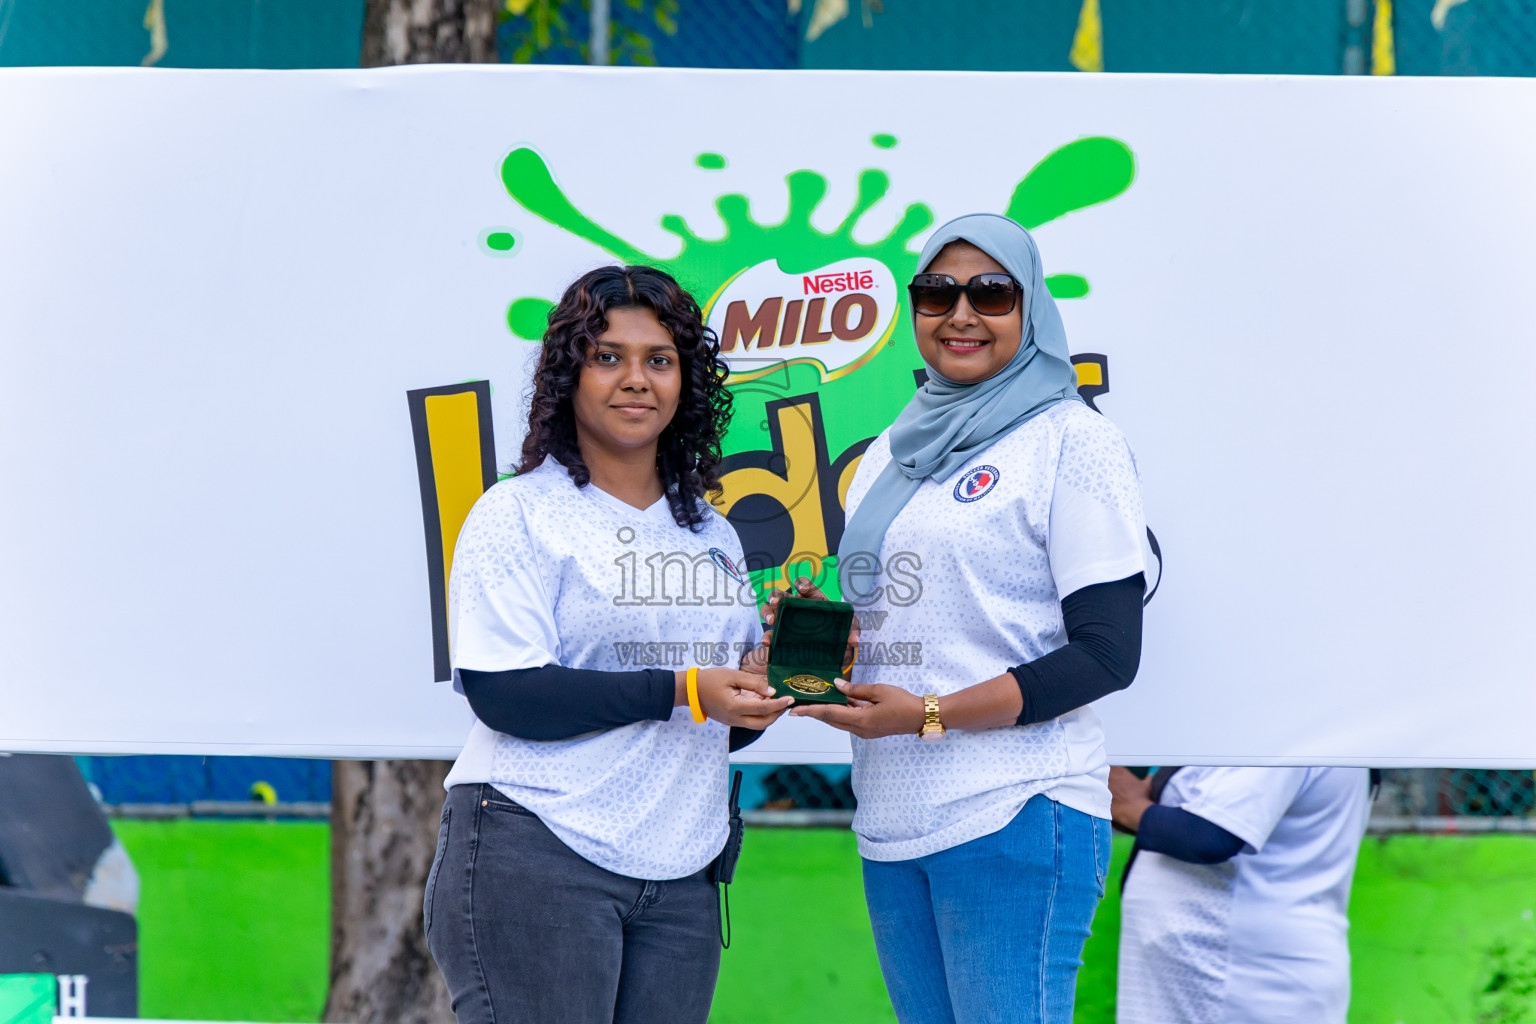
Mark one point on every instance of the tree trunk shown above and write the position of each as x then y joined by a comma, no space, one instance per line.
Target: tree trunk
384,817
429,32
384,814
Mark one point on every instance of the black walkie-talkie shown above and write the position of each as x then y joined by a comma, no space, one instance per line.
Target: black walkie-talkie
724,868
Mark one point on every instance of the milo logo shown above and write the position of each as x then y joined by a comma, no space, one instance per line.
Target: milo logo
799,302
834,318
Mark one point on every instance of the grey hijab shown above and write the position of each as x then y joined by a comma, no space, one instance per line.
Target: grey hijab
947,423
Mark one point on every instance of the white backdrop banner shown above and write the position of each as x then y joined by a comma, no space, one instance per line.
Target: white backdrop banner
265,336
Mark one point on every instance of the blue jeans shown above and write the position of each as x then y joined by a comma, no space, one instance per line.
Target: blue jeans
991,930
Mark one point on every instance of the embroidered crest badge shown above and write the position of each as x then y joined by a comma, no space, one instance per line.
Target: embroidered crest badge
976,483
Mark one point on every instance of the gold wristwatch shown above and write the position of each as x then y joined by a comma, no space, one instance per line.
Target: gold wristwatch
932,729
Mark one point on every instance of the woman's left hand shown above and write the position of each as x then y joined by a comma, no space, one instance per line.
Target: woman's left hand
872,711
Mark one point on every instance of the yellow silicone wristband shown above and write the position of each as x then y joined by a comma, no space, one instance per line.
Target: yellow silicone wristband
693,695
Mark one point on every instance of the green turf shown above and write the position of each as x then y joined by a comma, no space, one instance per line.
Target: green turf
1428,917
234,918
805,885
233,926
1096,981
801,948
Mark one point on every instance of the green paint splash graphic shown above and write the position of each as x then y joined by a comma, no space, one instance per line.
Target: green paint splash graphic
528,317
704,265
842,413
1075,176
498,241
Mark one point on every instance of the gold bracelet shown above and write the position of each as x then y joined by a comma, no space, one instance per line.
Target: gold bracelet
693,695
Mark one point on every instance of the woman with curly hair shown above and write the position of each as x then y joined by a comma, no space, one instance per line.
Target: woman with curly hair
573,880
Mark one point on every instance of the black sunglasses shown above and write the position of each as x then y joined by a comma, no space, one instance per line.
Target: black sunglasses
989,294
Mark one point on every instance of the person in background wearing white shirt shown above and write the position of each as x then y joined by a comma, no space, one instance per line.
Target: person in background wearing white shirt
980,772
1235,905
573,879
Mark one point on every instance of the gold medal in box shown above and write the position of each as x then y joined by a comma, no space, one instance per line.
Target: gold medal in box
808,648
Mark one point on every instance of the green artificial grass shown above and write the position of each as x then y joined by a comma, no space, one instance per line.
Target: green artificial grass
234,918
801,947
233,925
1096,980
802,891
1442,931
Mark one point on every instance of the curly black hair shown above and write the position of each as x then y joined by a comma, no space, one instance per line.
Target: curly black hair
688,451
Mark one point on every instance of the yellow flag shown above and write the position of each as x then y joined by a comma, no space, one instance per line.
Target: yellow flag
824,15
1441,9
1383,47
154,24
1088,41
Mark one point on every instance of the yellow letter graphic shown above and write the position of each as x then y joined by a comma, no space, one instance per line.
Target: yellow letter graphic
455,464
786,503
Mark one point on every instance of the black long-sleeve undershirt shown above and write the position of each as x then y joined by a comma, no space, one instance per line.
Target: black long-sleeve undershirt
556,703
1185,836
1103,649
1100,656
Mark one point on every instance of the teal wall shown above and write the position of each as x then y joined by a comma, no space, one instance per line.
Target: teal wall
1480,37
954,35
1277,37
1280,37
199,33
1485,37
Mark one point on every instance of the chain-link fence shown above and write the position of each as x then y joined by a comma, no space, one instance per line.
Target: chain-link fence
1455,800
1318,37
181,780
182,33
1305,37
1464,37
1413,37
1426,800
667,33
1321,37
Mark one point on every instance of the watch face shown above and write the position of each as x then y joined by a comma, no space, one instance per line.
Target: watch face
932,734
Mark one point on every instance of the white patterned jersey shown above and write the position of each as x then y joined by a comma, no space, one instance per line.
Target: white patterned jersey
974,570
546,573
1263,937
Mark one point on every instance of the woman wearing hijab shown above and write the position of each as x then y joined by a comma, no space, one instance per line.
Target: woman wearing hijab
983,804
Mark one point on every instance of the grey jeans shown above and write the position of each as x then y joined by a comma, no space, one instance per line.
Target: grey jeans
525,930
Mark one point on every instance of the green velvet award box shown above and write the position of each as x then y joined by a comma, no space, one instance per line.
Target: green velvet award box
809,645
